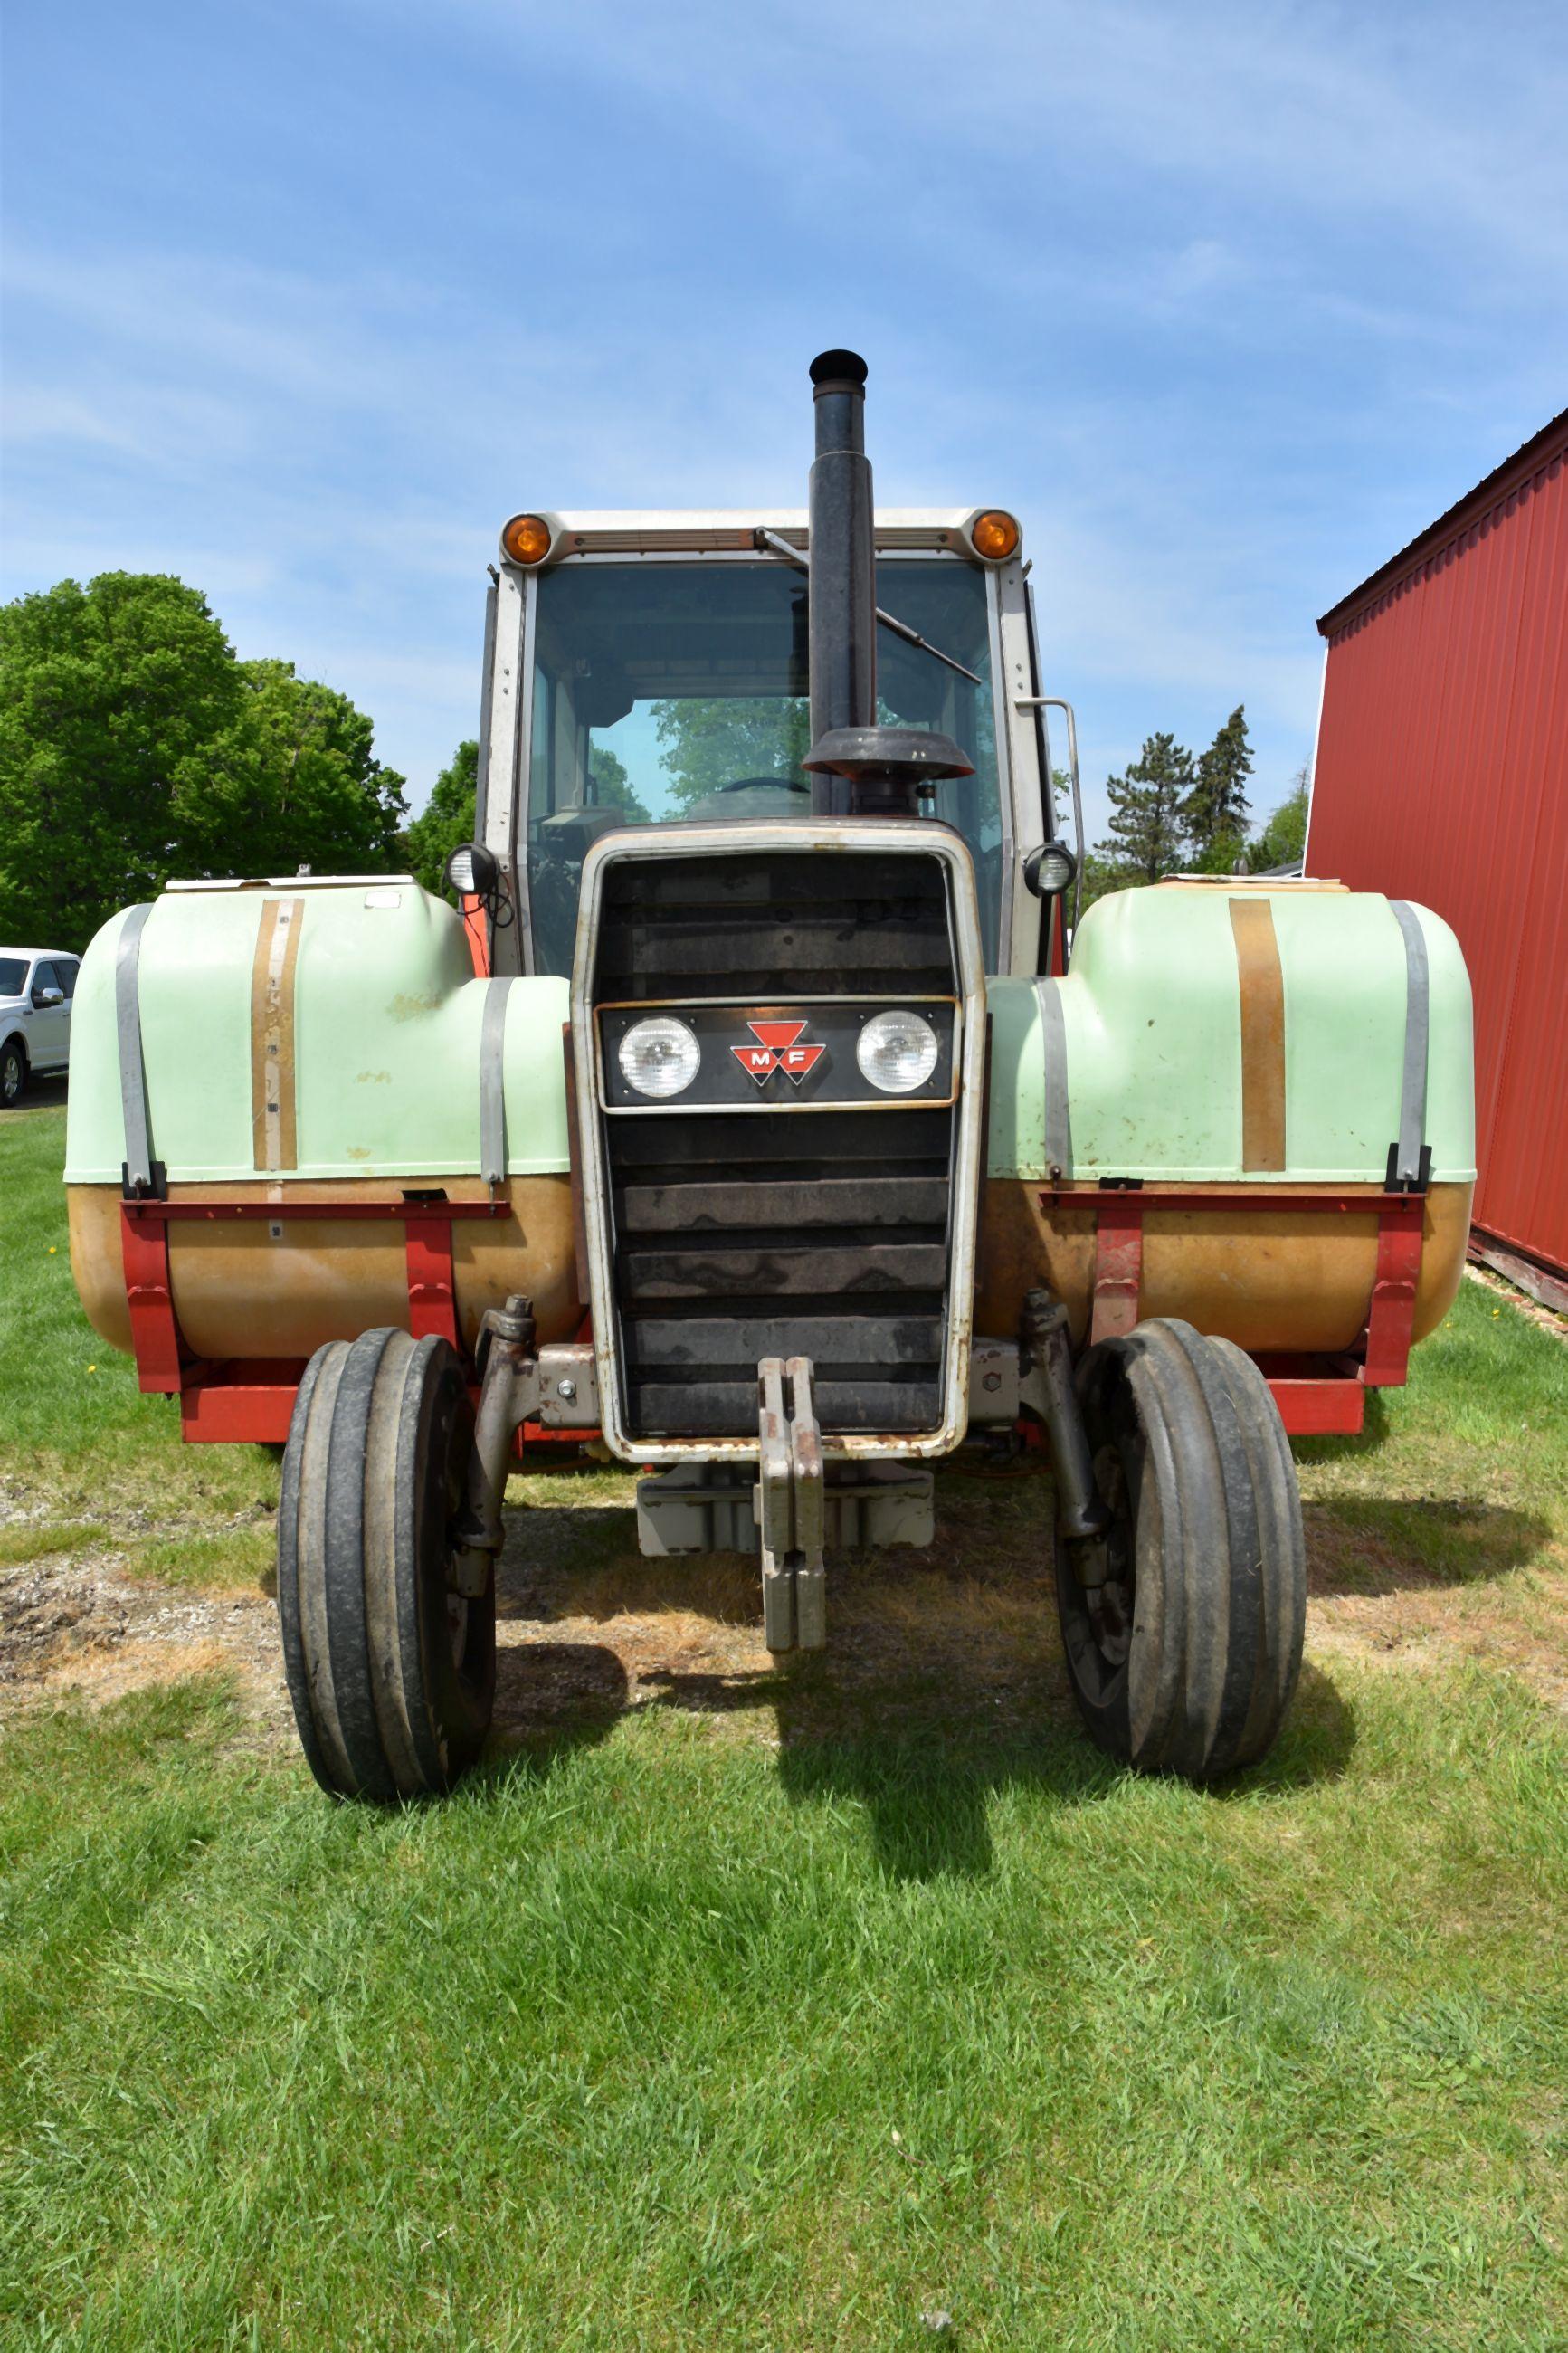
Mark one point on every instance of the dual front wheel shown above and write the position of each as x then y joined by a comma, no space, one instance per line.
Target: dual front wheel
391,1667
1181,1626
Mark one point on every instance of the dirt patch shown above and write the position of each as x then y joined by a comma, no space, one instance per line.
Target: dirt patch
79,1618
961,1636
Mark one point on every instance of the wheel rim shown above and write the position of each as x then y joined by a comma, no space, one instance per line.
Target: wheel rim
1110,1604
462,1617
11,1078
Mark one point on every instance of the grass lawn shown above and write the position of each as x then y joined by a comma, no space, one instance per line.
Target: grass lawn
729,2006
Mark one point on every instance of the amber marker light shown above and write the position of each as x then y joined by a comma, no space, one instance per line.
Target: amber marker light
993,536
526,539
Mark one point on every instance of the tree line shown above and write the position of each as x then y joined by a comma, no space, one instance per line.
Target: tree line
1172,813
136,744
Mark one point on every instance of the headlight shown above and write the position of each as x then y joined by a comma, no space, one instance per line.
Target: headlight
659,1058
896,1052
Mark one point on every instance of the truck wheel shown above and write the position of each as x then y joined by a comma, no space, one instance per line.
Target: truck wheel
391,1672
1183,1659
13,1072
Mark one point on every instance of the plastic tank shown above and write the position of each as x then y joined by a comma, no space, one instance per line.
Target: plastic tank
308,1042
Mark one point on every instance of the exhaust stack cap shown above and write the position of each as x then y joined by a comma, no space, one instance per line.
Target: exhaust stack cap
916,751
838,372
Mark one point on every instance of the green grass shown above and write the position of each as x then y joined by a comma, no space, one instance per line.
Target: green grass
801,2004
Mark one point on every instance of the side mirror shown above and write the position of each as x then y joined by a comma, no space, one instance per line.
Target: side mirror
1049,871
49,997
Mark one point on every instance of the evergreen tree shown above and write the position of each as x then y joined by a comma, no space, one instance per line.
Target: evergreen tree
1215,810
1143,843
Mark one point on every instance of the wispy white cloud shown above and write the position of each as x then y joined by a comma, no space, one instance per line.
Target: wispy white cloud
1226,300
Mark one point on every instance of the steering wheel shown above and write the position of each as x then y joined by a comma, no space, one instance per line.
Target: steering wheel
750,784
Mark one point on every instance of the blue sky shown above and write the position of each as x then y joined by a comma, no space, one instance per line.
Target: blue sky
1227,301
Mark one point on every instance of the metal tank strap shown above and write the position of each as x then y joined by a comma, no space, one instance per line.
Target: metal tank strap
141,1177
1410,1156
1059,1111
492,1081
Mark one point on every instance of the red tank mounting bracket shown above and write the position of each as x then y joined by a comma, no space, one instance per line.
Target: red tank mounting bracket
254,1401
1316,1397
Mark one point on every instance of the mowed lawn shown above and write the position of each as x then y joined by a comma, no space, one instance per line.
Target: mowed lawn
864,2005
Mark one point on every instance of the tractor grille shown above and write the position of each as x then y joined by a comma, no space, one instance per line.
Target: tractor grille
778,1231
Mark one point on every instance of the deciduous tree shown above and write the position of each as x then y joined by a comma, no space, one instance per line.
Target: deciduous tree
133,746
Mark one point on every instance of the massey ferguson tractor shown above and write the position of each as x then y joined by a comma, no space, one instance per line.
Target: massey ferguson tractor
760,1116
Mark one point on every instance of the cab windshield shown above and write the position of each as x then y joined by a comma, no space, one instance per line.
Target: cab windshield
680,690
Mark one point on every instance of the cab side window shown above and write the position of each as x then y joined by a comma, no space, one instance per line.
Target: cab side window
65,972
44,976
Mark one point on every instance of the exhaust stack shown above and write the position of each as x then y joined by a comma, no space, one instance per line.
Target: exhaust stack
859,769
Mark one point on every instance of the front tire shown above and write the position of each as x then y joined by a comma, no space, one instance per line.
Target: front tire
1184,1658
13,1073
391,1672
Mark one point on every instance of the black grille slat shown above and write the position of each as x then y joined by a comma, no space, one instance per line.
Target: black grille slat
803,1144
786,1203
739,1234
782,1273
668,1344
729,1408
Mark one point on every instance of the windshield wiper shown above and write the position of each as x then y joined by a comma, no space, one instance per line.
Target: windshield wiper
769,542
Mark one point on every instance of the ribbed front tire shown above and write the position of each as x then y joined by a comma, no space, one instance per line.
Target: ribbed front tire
1184,1659
390,1673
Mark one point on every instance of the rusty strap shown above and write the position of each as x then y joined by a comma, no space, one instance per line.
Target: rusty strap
272,1112
1262,1035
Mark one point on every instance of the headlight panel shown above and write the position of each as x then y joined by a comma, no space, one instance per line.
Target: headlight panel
842,1053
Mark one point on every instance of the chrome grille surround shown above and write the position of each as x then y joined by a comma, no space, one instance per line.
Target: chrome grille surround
876,840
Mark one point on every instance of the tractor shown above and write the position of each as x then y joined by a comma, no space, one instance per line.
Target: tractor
760,1113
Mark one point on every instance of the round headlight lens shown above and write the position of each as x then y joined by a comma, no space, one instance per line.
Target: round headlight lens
659,1058
896,1052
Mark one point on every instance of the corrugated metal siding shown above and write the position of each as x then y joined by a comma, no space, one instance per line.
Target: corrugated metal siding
1442,776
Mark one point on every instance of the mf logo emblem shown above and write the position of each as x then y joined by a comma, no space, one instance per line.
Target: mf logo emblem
778,1047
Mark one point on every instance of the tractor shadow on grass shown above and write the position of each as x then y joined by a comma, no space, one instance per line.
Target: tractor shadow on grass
941,1696
1386,1545
929,1777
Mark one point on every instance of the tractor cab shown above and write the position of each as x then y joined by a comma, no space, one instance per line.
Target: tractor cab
654,669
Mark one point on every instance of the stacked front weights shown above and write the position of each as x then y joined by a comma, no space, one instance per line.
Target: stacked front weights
790,1506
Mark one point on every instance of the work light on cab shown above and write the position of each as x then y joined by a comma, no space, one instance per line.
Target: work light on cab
896,1052
659,1058
526,539
472,870
1049,871
994,535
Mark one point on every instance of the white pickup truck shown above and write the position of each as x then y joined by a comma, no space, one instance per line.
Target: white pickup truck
37,985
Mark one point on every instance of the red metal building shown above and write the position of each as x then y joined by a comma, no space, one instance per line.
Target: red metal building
1441,774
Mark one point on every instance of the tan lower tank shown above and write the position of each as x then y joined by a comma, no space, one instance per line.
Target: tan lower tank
238,1292
1294,1282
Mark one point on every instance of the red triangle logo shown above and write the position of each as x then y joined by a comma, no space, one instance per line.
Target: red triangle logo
778,1047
